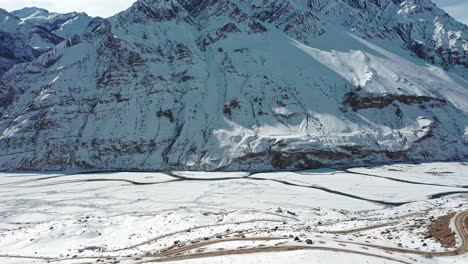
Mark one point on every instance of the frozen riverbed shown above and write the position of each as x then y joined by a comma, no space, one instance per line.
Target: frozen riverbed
81,218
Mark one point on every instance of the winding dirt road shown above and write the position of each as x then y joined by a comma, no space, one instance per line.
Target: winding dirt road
174,254
461,224
274,249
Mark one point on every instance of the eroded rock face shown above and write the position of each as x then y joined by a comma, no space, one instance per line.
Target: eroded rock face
359,101
239,85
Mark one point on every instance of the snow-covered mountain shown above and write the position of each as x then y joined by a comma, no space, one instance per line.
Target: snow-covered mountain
21,41
63,25
237,84
13,50
37,37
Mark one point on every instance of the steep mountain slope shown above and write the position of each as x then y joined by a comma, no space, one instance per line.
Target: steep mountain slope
63,25
13,50
236,84
22,42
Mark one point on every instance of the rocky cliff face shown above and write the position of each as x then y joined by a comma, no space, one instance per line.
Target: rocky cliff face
251,85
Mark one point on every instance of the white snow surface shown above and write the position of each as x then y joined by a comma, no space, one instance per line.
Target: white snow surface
80,218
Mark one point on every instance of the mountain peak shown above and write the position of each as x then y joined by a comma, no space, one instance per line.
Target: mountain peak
64,25
31,10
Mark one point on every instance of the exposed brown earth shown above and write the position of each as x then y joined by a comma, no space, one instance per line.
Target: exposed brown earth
460,219
461,224
440,231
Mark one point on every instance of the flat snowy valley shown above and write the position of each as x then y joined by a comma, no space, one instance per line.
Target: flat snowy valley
386,214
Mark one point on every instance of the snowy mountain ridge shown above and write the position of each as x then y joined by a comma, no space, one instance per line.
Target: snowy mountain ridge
243,85
63,25
21,41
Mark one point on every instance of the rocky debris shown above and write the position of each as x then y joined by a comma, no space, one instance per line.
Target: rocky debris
92,248
228,108
167,114
219,34
291,213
